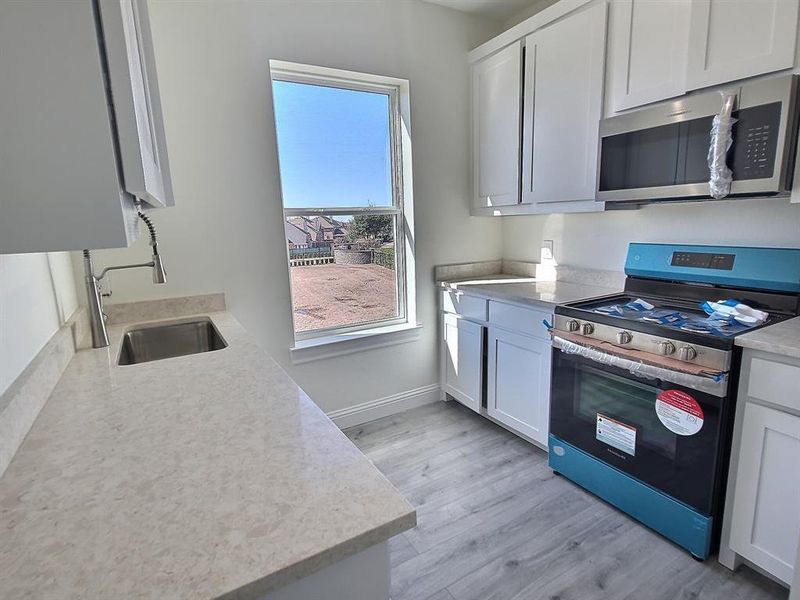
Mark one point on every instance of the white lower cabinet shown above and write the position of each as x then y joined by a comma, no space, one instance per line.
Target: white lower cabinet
463,360
496,360
518,374
762,515
766,508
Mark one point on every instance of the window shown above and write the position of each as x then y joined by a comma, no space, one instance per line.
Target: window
345,166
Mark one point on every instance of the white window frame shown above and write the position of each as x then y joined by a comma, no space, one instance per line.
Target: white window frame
353,337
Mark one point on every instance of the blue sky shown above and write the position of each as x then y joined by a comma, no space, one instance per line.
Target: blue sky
333,146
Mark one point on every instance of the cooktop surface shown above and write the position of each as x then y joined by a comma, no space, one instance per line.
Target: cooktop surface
670,314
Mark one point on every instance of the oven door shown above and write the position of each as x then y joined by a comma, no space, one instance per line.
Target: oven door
663,434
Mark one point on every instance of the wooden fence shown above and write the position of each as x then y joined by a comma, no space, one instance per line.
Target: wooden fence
323,255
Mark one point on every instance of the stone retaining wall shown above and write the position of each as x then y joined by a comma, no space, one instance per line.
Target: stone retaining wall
352,257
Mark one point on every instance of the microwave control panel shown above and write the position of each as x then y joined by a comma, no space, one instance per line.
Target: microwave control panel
755,144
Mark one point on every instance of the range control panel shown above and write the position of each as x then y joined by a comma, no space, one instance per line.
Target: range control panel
703,260
772,269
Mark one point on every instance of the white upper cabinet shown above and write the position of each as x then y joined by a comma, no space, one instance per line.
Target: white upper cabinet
648,46
734,40
82,137
496,117
137,105
564,66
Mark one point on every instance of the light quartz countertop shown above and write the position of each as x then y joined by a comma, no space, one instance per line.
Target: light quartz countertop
203,476
782,338
528,290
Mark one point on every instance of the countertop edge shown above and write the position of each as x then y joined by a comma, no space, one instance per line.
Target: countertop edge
525,302
289,573
780,339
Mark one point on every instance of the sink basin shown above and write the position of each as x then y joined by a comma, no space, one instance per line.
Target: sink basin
167,340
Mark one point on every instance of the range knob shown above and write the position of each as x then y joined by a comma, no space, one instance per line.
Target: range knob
624,337
573,325
587,329
666,348
687,353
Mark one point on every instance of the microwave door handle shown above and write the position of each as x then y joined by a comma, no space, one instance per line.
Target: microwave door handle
716,386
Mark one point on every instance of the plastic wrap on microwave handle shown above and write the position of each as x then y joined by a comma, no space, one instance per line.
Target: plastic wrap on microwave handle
720,176
710,384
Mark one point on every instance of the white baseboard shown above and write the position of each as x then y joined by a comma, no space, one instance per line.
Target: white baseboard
383,407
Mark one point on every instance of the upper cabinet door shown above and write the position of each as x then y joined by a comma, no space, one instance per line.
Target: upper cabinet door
564,64
137,107
496,99
647,51
733,40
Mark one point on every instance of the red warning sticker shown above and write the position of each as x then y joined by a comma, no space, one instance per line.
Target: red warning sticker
679,412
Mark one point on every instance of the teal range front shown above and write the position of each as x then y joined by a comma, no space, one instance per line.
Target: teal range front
671,518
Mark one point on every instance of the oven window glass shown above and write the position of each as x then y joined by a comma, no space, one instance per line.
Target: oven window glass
628,401
640,159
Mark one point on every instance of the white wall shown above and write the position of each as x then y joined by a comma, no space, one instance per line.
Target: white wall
535,7
600,240
226,231
37,295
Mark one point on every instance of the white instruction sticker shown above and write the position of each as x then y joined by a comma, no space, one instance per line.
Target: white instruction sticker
616,434
679,412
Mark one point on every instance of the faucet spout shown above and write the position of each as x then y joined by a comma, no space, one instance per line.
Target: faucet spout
159,273
97,318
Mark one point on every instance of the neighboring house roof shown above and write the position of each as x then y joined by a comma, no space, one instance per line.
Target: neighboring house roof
313,228
339,227
304,224
294,234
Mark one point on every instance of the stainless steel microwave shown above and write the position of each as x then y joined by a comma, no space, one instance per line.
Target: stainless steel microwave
661,152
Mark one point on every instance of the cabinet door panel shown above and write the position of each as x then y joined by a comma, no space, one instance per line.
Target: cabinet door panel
730,41
463,346
137,107
765,519
648,51
564,65
518,391
496,115
59,187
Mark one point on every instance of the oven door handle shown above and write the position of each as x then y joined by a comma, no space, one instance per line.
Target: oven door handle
714,385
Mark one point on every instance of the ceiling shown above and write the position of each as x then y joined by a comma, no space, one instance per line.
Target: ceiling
494,9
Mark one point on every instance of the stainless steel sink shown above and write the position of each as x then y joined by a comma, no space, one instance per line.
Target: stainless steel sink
166,340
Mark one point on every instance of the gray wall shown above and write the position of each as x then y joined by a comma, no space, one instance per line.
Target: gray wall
37,294
226,231
600,240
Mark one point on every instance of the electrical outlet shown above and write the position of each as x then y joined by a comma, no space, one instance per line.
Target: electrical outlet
547,250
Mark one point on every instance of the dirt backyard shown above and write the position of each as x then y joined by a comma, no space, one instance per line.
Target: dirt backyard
337,295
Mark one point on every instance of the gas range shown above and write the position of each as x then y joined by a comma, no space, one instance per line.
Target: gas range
644,383
673,323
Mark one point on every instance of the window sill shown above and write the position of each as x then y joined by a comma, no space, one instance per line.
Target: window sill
320,348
